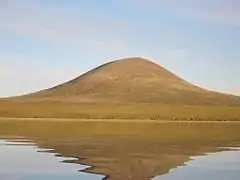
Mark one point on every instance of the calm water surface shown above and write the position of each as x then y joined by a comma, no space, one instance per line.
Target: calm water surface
119,151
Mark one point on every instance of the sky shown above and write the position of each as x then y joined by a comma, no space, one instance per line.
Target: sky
47,42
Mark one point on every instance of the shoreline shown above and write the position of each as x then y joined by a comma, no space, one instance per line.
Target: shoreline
113,120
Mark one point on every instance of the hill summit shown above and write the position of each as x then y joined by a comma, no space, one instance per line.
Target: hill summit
133,80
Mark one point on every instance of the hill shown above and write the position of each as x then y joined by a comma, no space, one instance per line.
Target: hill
132,88
133,80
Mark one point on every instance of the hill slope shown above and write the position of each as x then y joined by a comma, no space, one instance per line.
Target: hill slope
132,80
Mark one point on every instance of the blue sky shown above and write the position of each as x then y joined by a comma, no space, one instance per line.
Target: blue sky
47,42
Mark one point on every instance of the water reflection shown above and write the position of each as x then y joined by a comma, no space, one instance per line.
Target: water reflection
25,161
112,151
216,166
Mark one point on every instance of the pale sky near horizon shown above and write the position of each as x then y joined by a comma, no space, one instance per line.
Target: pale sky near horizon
47,42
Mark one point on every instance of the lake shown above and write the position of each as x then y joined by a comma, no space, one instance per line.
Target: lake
42,150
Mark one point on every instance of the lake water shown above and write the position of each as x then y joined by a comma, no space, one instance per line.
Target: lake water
119,151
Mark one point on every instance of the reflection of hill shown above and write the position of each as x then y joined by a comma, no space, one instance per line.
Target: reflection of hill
126,150
128,158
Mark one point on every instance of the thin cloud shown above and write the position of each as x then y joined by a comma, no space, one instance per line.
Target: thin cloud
218,11
60,25
75,28
224,12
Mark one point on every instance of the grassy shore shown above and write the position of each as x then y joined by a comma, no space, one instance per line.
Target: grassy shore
17,109
141,121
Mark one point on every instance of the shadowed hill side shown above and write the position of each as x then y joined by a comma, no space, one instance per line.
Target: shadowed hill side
132,80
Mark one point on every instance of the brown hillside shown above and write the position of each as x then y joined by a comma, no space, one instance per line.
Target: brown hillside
132,80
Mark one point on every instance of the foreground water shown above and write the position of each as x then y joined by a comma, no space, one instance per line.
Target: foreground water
117,151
